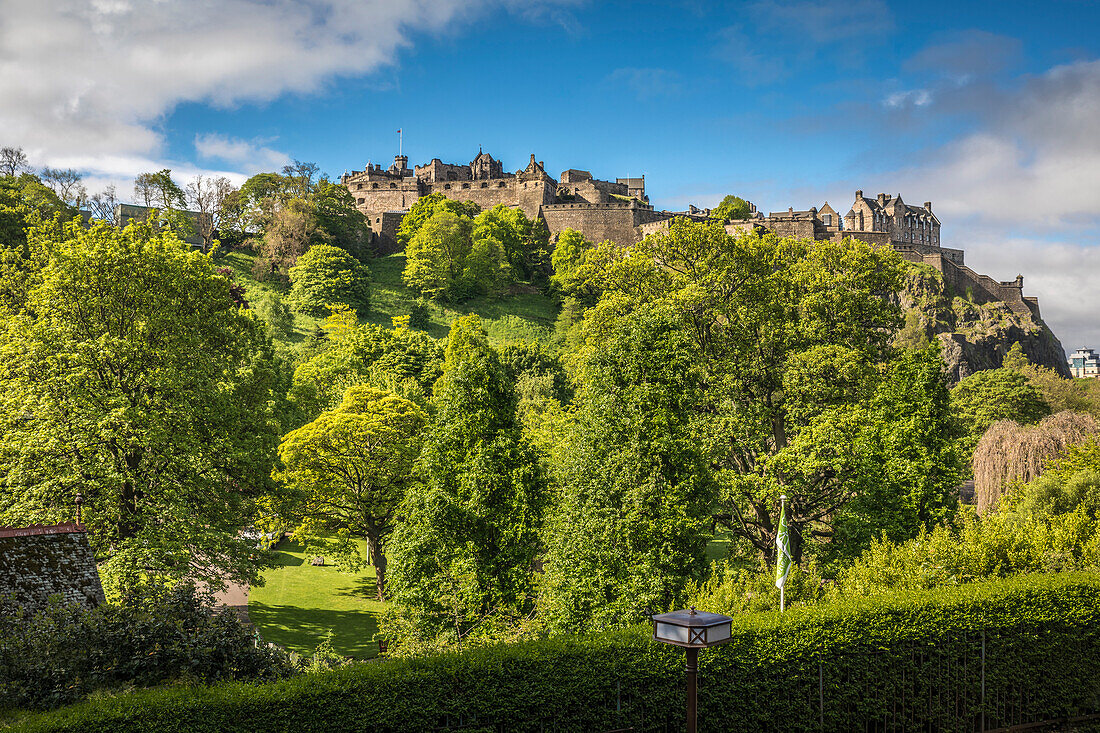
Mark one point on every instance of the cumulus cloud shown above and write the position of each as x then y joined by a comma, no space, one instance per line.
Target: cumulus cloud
80,78
250,155
1034,161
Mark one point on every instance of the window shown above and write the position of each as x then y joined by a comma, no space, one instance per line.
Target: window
359,187
393,185
465,185
447,186
362,200
828,219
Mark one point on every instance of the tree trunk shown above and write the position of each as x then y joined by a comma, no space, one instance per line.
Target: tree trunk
378,560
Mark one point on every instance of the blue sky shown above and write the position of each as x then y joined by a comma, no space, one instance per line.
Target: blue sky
989,110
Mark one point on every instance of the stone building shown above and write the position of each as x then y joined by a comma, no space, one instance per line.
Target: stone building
602,209
124,213
40,561
620,211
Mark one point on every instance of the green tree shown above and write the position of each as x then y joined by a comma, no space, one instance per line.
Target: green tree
292,231
271,309
426,207
912,461
463,557
985,397
400,360
568,261
732,208
339,222
629,528
440,258
327,275
349,469
132,378
1057,391
158,191
760,310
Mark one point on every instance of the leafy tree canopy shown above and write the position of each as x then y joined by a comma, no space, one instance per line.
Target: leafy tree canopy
327,275
443,261
732,208
463,556
132,378
349,469
425,207
985,397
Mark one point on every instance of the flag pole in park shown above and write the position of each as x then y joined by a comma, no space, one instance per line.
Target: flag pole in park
783,554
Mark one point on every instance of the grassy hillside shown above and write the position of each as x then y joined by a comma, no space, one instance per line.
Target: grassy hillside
521,314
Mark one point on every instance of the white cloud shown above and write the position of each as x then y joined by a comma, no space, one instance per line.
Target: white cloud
914,97
93,79
250,155
1034,162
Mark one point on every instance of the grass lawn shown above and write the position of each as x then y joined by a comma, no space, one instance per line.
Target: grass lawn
300,603
522,314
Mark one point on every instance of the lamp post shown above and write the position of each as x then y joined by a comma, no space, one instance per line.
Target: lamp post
693,630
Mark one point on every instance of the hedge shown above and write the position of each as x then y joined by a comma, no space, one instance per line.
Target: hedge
902,662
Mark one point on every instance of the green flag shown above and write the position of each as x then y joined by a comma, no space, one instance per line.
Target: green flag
783,547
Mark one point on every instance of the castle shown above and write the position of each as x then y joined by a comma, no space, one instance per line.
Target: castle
621,212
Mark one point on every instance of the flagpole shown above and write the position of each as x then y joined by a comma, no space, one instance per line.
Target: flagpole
782,588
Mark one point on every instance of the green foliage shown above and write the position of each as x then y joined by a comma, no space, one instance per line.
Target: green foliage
568,262
985,397
132,377
880,659
1054,389
349,468
325,276
732,208
445,261
339,222
912,461
271,309
427,206
627,530
63,653
788,336
463,556
400,360
510,231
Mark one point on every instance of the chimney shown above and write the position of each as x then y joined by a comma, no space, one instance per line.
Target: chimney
928,206
882,199
859,194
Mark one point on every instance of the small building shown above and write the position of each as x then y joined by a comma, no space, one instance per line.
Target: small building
1084,363
41,561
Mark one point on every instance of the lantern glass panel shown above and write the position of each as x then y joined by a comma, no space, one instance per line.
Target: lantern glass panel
672,633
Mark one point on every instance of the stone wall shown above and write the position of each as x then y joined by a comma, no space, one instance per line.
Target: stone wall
621,223
41,561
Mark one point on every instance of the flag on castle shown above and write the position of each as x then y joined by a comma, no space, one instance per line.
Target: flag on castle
783,553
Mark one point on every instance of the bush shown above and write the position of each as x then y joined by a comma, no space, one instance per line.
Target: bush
64,652
912,661
327,275
274,312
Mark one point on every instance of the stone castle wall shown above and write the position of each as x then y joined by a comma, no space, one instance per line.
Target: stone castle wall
41,561
621,223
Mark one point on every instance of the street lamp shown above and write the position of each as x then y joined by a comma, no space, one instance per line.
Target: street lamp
693,630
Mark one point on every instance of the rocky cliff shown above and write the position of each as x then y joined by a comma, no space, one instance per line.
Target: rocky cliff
974,336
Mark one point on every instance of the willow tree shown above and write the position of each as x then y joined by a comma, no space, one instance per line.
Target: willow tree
1009,452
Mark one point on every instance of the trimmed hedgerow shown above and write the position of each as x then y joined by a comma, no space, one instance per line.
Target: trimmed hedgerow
912,661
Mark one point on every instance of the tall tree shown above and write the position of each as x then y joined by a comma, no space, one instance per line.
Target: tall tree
325,276
132,378
756,307
103,205
67,185
349,469
208,197
158,190
13,161
463,557
426,207
629,527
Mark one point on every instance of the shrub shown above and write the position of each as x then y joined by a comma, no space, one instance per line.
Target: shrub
64,652
918,660
327,275
274,312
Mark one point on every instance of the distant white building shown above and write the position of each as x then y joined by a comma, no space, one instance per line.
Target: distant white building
1084,363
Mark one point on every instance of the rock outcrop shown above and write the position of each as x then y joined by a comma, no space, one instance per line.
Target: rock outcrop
974,336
